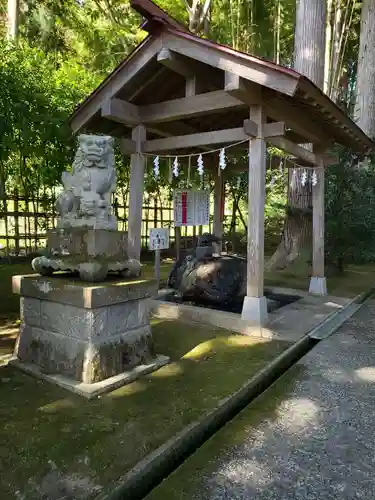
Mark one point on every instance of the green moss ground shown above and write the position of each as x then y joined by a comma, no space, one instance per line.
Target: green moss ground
45,430
188,481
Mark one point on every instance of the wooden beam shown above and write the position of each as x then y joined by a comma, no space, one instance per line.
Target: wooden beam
114,83
246,67
275,129
121,111
175,62
318,224
269,129
301,153
247,92
137,167
293,149
250,128
127,146
218,201
304,126
188,107
191,86
196,140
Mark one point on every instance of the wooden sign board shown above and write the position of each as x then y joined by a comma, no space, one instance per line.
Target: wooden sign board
191,207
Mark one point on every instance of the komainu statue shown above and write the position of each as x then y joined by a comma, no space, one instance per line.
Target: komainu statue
86,239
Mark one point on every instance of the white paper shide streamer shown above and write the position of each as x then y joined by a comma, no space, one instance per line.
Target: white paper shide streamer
222,159
304,178
156,166
175,167
294,178
200,165
314,179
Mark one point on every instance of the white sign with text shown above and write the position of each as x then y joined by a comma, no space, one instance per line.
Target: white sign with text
159,238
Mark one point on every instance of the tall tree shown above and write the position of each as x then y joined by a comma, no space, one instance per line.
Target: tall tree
309,55
365,103
199,11
13,18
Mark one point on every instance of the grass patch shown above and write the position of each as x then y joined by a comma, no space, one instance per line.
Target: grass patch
53,439
356,279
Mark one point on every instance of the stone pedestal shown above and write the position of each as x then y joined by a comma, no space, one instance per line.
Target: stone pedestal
92,253
89,339
255,309
318,286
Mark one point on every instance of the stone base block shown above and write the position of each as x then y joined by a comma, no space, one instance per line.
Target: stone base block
90,391
85,333
318,286
255,309
91,253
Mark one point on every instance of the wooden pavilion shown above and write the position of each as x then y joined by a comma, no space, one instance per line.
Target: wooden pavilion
178,93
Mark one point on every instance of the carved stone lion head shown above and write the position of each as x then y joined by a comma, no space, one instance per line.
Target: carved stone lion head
95,151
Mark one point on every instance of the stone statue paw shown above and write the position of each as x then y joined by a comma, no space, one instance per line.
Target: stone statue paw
92,271
43,266
132,270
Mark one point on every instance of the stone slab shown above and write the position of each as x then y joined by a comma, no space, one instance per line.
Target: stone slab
289,323
90,391
77,293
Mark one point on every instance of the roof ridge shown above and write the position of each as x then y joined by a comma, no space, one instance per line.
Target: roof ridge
154,14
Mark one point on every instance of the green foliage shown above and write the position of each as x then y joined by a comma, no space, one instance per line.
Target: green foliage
37,95
350,210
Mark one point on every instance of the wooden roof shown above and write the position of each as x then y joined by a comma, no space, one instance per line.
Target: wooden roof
142,80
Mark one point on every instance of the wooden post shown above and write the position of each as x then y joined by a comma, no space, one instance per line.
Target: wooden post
137,167
318,284
218,200
157,267
255,304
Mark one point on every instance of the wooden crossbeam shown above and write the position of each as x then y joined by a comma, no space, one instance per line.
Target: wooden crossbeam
175,62
268,129
188,107
195,140
301,153
121,111
127,146
176,109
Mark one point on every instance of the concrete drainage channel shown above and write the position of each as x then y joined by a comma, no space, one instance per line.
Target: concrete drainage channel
157,466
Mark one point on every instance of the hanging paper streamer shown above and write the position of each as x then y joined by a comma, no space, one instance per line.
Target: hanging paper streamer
200,165
175,167
189,172
294,178
304,178
156,166
281,169
222,160
272,182
314,179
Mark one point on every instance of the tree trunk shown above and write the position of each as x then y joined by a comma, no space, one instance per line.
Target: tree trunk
309,56
365,102
199,15
13,18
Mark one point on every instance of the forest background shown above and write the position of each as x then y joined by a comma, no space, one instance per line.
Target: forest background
55,52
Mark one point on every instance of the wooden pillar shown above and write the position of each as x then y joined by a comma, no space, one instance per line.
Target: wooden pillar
137,170
255,304
318,284
218,216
